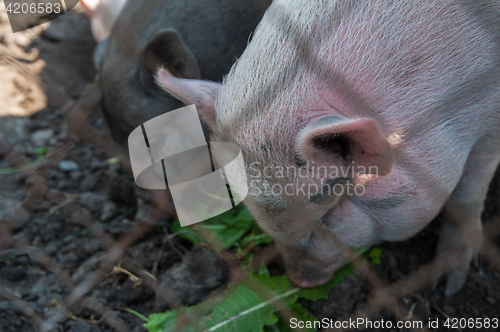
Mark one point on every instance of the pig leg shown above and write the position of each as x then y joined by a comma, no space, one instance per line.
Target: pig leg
461,234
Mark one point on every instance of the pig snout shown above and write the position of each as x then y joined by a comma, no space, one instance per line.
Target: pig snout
306,270
307,273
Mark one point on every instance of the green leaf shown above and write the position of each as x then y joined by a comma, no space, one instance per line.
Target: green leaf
41,151
113,160
133,312
278,284
157,322
235,228
241,308
22,168
374,256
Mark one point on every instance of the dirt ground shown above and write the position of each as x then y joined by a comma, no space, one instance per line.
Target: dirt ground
59,55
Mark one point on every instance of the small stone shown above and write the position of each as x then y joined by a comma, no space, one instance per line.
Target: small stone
127,294
120,227
139,328
14,273
51,249
396,274
114,167
143,210
92,246
62,184
69,260
92,201
68,165
13,129
340,301
43,286
41,137
422,309
71,245
89,182
76,175
392,261
491,300
449,310
108,210
79,327
164,223
7,208
63,134
23,260
84,268
195,277
120,189
24,222
96,164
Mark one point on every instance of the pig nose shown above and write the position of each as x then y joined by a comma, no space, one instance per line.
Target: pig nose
307,273
309,283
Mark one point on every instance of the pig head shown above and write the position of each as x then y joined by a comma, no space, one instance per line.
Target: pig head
193,39
360,121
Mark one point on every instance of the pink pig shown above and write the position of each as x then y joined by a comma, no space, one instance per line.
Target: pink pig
396,104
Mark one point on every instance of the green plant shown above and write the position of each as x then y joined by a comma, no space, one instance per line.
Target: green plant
251,304
374,255
245,308
39,151
235,228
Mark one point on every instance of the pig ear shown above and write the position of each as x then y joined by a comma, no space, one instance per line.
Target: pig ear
201,93
359,143
166,48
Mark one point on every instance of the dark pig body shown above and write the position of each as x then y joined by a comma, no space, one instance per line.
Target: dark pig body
194,39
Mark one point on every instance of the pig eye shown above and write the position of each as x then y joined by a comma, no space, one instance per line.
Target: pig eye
324,218
336,144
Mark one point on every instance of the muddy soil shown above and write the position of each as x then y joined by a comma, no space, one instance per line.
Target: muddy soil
59,55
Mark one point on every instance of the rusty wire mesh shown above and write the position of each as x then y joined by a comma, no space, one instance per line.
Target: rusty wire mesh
383,296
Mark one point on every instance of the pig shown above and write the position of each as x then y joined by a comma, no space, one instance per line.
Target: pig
193,39
397,100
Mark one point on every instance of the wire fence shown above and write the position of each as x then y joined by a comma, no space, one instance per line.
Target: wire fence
383,295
